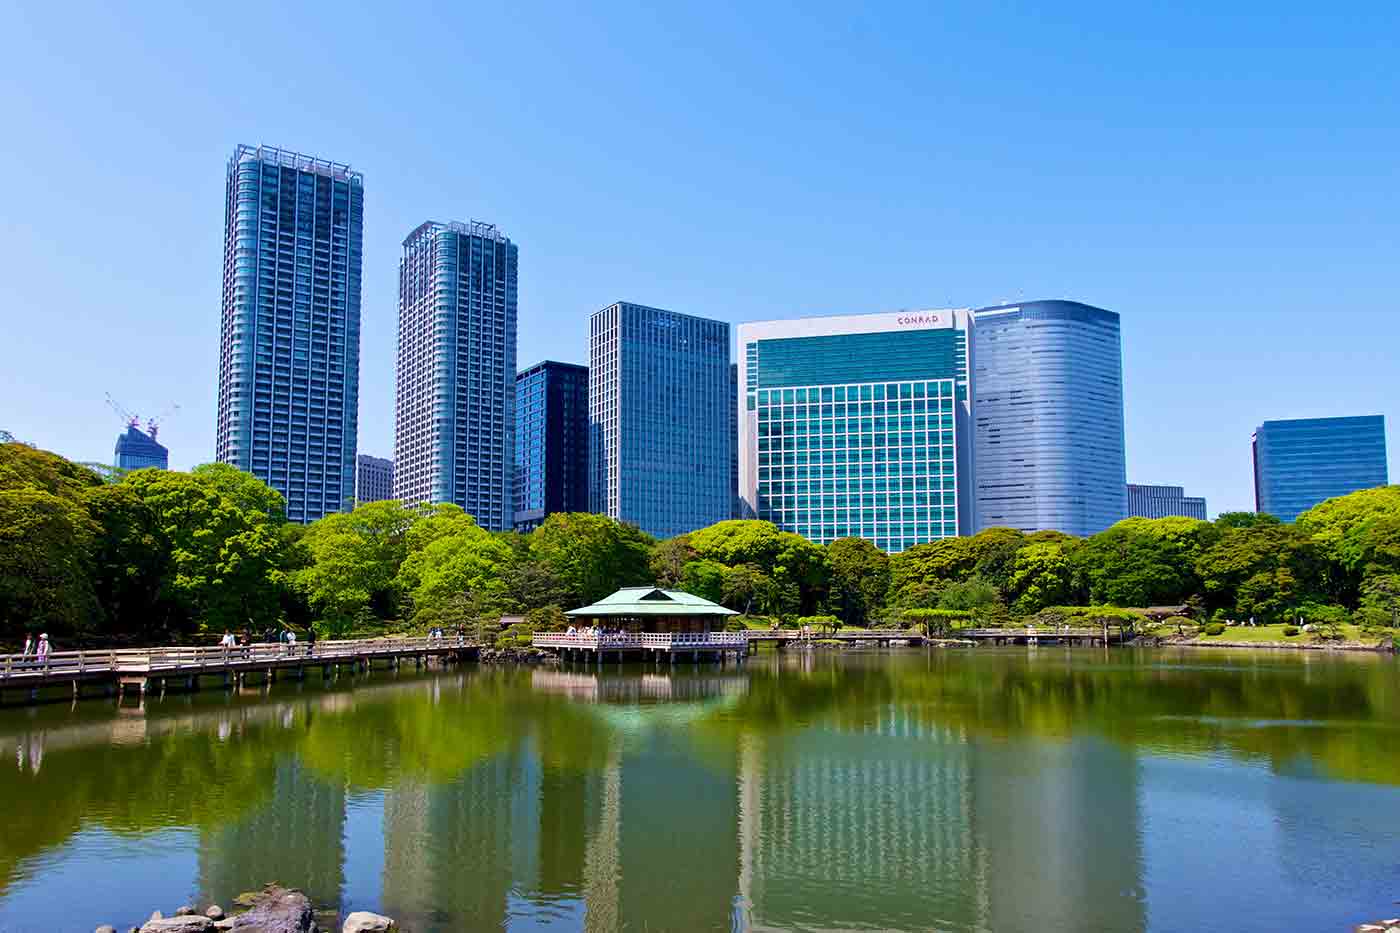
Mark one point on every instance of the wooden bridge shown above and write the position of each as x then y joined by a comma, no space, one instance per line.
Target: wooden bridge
139,669
1043,635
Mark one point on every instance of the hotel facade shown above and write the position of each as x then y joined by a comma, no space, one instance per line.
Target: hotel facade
850,425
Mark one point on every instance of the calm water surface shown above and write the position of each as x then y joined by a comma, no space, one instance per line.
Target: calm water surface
984,790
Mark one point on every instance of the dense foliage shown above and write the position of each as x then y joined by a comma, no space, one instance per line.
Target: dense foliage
158,554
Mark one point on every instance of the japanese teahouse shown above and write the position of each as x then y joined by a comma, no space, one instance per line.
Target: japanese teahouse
643,621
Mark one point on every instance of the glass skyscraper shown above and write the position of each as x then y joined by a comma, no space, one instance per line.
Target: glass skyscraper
1299,463
1047,409
551,442
454,416
849,426
289,358
659,439
1163,502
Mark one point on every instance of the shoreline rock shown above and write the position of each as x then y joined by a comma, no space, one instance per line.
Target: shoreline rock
274,909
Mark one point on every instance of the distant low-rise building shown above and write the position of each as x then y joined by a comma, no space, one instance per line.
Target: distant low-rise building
137,450
1163,501
374,479
1302,462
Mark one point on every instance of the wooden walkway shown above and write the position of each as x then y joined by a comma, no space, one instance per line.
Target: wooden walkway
140,669
598,647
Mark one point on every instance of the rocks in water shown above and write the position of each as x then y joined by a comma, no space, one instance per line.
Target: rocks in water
516,656
184,911
155,915
215,912
185,923
275,910
362,921
105,928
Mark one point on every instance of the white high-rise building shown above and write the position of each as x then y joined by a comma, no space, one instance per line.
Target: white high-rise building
454,416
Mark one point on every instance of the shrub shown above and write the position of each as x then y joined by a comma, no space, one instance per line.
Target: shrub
1290,630
1215,628
735,624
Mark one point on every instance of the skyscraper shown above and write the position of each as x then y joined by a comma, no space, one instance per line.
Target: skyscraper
551,442
454,417
374,479
1047,410
1299,463
289,359
1163,501
136,449
658,387
850,426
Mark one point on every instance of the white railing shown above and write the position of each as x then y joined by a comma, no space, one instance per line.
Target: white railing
58,664
659,640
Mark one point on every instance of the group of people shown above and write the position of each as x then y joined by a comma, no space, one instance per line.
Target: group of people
38,650
285,637
436,634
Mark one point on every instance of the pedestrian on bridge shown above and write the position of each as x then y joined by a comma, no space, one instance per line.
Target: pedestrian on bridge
42,652
310,640
28,646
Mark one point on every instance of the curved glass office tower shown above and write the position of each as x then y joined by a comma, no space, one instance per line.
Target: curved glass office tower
289,358
1047,412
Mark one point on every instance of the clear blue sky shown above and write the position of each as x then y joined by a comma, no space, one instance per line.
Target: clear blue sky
1227,180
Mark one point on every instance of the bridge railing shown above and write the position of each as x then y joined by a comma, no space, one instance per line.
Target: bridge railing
58,664
626,640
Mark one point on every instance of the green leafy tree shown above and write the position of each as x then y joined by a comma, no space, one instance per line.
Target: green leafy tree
592,555
704,578
1041,576
1143,561
225,563
130,560
668,560
250,494
968,596
747,589
1262,571
355,559
468,561
45,573
860,579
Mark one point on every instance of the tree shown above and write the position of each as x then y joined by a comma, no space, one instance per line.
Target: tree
1041,576
471,563
1142,561
250,494
668,560
592,555
746,589
45,581
355,558
1262,571
968,596
860,579
130,560
225,563
532,585
704,578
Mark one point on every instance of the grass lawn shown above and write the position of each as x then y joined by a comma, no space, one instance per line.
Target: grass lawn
1264,634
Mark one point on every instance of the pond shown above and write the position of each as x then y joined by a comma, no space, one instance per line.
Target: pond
966,790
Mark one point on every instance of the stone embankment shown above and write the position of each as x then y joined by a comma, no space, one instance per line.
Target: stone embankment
274,909
516,656
1380,926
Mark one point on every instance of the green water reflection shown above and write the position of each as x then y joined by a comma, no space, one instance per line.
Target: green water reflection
987,790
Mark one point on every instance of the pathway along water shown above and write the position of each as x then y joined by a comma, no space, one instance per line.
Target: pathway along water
1000,789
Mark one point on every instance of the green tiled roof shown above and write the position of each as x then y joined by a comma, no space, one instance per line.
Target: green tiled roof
652,601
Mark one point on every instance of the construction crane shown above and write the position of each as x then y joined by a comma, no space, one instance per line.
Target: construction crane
133,420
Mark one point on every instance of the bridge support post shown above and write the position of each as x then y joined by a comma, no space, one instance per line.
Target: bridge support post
77,689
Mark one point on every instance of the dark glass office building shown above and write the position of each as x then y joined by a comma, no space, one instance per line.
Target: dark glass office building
551,442
289,358
1299,463
659,441
136,450
454,414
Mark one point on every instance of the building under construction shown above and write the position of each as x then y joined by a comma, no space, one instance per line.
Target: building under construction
137,449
